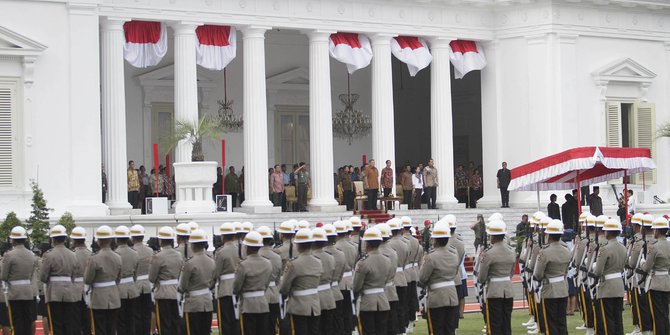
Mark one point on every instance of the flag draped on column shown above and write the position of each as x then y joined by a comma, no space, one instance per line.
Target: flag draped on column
412,51
466,56
217,46
351,49
146,43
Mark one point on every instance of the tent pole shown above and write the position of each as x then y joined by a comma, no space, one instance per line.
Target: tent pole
579,194
538,196
625,195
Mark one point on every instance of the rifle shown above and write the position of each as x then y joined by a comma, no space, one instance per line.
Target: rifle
593,278
480,287
640,275
538,286
583,269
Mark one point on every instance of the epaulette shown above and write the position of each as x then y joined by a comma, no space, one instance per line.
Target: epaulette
265,257
366,256
189,258
292,258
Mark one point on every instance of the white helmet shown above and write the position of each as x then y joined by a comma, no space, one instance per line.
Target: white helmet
600,220
194,225
227,228
104,232
198,236
58,231
136,231
286,227
78,233
330,229
319,235
253,239
183,229
659,223
441,230
495,216
590,220
451,220
406,221
637,219
544,222
496,227
538,216
238,227
583,216
247,226
265,231
647,219
165,233
356,222
303,224
350,226
122,232
555,227
341,227
612,225
372,234
384,229
304,235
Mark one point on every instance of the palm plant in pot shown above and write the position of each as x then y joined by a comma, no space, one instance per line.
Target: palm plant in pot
207,127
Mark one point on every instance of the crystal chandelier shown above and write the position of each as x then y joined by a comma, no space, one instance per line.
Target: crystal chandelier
226,116
350,123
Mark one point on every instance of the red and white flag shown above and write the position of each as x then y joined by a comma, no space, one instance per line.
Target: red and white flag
217,46
466,56
351,49
146,43
412,51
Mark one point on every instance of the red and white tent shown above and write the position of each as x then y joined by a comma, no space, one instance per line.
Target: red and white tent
466,56
146,43
580,166
217,46
352,49
412,51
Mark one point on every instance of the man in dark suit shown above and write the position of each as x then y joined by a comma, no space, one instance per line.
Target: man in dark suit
504,176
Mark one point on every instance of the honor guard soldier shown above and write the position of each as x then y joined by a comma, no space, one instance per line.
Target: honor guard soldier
637,257
103,274
495,270
272,293
285,248
246,227
183,231
58,266
550,278
578,258
631,283
127,288
355,239
143,306
81,315
609,263
300,282
18,266
346,283
340,261
657,284
163,273
401,249
389,288
326,299
584,268
593,282
226,260
194,283
456,241
370,278
530,242
252,279
411,270
542,222
439,273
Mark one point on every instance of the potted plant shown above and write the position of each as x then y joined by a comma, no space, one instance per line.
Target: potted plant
194,179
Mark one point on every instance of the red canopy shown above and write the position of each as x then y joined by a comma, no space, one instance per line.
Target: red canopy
585,166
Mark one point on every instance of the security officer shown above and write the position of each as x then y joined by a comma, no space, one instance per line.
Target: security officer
411,270
144,305
245,228
272,293
300,282
601,240
326,299
401,249
658,284
183,231
631,283
495,270
18,265
456,241
163,273
285,248
592,244
370,277
226,260
524,264
127,287
355,237
340,260
638,253
609,264
550,273
58,266
579,258
439,273
252,279
194,284
346,283
103,274
389,288
82,315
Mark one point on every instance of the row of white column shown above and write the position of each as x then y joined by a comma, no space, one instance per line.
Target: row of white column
255,112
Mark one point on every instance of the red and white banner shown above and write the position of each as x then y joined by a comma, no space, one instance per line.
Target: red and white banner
351,49
146,43
412,51
217,46
466,56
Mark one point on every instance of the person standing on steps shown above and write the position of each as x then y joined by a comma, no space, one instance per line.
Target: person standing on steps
503,177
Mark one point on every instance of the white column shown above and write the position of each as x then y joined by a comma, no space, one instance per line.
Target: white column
256,183
383,129
185,82
320,123
441,122
114,115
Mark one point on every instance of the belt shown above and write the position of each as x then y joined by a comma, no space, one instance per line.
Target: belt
169,282
373,291
399,269
227,276
272,284
127,280
499,279
415,264
20,282
409,266
104,284
660,273
142,277
335,284
442,284
199,292
79,279
323,287
389,284
554,280
612,276
347,274
60,279
253,294
302,293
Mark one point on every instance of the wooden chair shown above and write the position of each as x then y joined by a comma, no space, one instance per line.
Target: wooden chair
291,197
359,194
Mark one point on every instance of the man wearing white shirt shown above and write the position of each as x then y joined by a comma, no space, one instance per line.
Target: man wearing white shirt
632,202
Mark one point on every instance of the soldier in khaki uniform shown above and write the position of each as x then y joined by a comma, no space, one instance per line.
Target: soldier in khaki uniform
183,231
346,283
439,273
495,270
226,260
194,282
658,283
103,274
340,260
370,277
18,266
411,270
326,299
638,253
550,271
81,315
355,237
127,288
58,266
285,248
456,241
272,293
609,264
252,279
389,288
163,273
300,282
143,304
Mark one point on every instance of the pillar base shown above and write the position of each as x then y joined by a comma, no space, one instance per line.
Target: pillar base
490,202
119,208
326,208
88,208
258,208
449,205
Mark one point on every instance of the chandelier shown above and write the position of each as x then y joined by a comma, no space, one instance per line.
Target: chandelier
350,123
226,116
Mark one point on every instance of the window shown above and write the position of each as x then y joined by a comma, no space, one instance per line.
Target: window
8,108
633,125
